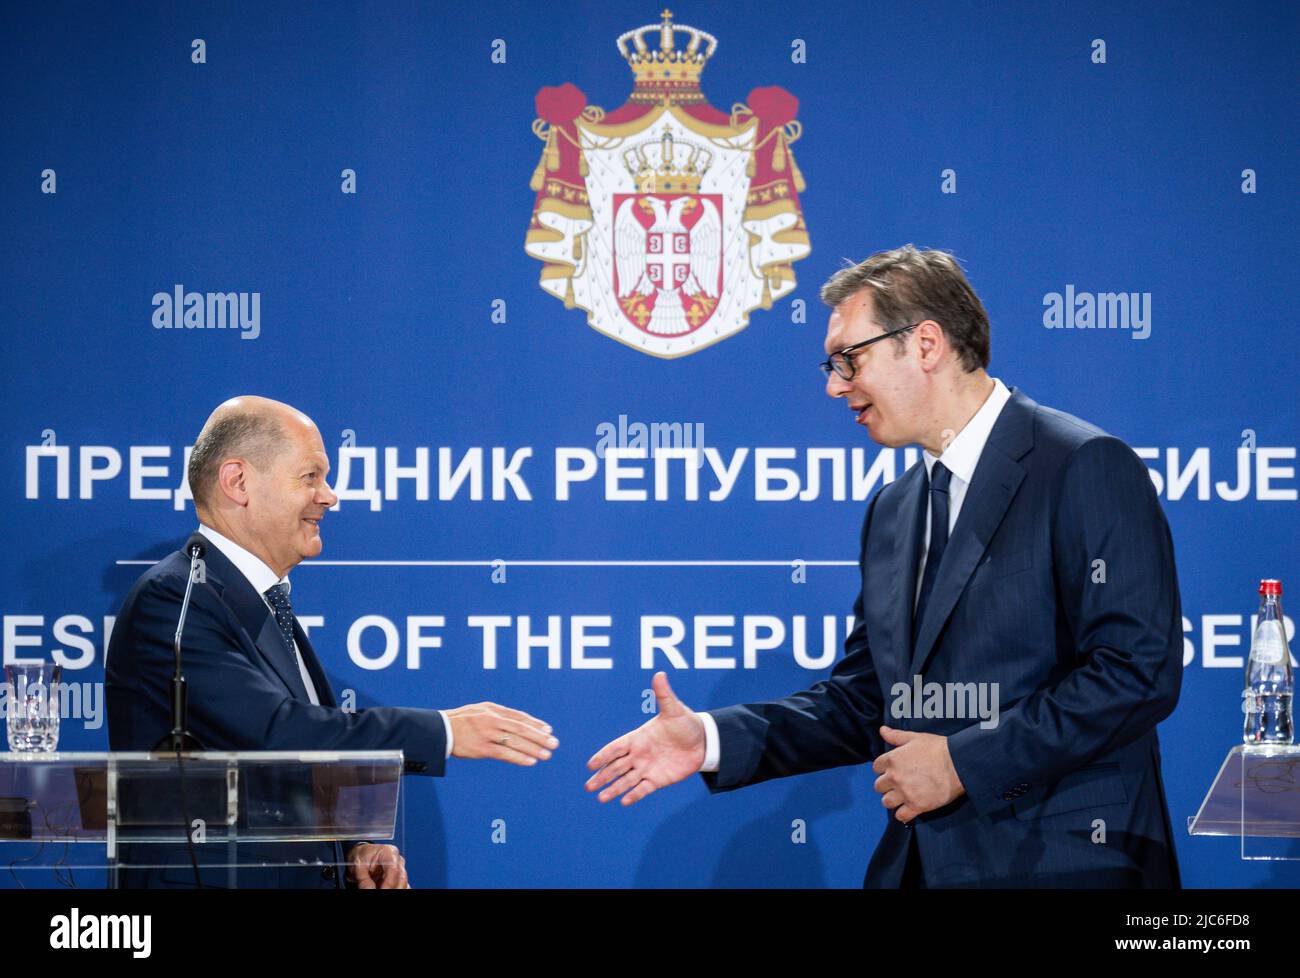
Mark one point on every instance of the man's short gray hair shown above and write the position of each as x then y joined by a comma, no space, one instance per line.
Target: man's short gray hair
255,436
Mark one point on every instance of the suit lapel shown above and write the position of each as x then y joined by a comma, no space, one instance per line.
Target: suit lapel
997,478
318,678
270,642
253,613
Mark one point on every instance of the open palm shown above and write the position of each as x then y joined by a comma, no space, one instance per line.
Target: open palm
662,751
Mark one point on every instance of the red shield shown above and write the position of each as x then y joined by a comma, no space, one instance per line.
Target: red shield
664,254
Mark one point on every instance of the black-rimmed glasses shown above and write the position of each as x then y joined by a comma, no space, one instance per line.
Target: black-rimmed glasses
841,361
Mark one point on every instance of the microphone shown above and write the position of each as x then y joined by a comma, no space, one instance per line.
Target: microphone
180,739
196,546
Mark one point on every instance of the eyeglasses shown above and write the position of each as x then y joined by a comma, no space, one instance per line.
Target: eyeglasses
842,362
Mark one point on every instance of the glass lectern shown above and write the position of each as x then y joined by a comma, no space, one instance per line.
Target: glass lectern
1255,797
226,805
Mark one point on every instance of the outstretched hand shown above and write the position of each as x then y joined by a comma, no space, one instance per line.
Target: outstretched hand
665,749
498,732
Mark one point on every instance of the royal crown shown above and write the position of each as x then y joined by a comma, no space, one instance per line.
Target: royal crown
667,166
667,72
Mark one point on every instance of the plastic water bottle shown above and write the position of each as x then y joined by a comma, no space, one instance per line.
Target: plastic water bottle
1268,673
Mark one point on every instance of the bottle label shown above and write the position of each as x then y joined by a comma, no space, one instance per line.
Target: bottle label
1267,649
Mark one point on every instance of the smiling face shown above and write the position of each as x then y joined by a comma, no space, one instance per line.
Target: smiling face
288,498
886,394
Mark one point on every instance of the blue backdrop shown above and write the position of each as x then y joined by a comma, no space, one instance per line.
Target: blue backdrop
407,315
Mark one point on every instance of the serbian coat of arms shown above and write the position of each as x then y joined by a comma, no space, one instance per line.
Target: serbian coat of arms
668,221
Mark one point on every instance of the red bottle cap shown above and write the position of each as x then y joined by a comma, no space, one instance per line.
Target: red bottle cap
1270,586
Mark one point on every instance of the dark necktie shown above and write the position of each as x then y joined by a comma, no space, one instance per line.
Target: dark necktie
278,595
939,479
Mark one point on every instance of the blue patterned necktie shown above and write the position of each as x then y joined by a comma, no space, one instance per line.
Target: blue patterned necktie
278,595
939,480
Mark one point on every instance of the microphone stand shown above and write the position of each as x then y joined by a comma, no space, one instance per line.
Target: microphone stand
180,739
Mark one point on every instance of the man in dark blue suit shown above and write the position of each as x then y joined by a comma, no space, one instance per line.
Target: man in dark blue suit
258,476
1018,631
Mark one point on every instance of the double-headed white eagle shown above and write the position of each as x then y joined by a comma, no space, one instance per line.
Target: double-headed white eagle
705,256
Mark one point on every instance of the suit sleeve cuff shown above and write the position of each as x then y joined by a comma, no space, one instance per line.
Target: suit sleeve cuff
712,746
977,764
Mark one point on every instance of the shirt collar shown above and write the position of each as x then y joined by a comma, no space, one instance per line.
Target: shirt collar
247,563
963,452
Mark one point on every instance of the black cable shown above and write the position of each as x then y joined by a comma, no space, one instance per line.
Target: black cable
189,840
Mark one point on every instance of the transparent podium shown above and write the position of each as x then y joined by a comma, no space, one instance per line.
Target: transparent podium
228,810
1255,797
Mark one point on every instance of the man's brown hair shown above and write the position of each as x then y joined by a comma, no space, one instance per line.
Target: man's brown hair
909,285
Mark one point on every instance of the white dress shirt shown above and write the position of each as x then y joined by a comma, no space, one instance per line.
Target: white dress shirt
262,578
960,458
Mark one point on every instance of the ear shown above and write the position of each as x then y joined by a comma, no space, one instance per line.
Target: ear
232,480
931,341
